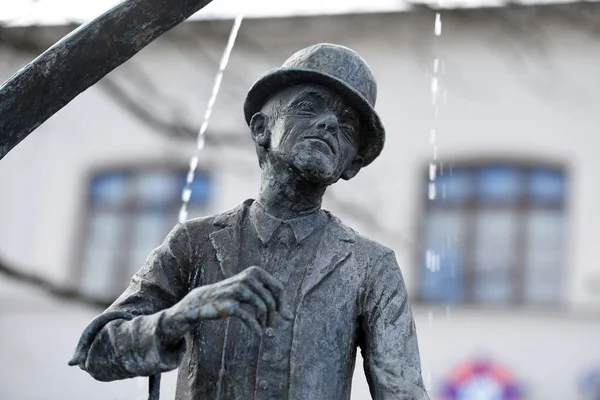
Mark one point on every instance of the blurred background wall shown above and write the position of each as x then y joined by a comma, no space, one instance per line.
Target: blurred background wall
500,256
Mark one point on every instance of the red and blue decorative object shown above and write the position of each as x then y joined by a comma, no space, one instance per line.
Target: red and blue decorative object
481,380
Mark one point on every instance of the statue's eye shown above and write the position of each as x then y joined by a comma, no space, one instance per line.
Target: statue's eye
349,124
305,107
348,130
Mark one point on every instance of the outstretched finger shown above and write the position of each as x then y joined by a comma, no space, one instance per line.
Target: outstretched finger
266,296
247,318
277,289
246,294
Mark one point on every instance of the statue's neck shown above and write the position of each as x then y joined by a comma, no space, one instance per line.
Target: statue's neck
284,194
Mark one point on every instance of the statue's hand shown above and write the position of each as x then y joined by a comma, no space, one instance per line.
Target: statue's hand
253,295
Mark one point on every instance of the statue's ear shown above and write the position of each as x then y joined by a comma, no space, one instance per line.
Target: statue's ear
353,168
259,129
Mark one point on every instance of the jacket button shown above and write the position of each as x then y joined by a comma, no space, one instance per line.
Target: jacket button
270,332
264,385
267,356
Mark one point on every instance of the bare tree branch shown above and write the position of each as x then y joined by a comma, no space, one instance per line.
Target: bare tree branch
176,130
56,291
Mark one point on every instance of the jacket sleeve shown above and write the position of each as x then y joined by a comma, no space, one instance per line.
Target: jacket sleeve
125,340
388,338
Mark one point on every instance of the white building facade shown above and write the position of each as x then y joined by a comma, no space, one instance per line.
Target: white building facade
501,264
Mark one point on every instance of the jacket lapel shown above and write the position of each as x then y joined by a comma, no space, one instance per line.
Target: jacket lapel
335,247
226,241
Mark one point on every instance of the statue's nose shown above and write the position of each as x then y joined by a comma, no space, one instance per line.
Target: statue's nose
328,123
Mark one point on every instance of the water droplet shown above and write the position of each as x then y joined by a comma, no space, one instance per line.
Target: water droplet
183,214
432,191
438,25
190,177
200,143
186,194
432,171
434,90
436,64
432,261
432,136
434,84
194,163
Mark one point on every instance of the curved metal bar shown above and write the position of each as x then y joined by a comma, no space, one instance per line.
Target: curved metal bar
80,59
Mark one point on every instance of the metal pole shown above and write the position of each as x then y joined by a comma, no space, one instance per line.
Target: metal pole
80,59
154,387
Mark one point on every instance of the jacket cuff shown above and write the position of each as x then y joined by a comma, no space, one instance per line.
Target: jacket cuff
90,332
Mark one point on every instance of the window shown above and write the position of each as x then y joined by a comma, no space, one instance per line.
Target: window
130,212
493,235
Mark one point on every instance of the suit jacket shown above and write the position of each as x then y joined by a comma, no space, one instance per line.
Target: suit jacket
352,296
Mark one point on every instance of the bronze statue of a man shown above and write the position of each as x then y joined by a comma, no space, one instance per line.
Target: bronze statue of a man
305,289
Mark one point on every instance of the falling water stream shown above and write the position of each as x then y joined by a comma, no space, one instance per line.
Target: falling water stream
435,99
433,256
187,190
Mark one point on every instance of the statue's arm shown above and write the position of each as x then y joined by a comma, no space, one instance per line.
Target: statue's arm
388,337
143,332
127,339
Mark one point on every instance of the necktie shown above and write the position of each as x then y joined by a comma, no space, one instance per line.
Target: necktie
280,252
284,235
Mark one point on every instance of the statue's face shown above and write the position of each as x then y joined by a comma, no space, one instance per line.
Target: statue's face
313,130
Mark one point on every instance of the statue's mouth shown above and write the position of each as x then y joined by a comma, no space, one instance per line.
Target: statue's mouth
321,139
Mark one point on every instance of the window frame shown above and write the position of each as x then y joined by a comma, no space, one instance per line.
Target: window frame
470,207
121,270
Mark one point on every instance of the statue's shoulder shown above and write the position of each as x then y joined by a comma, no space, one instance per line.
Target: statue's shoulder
208,224
363,246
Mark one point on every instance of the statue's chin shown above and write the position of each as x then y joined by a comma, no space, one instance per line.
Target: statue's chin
315,167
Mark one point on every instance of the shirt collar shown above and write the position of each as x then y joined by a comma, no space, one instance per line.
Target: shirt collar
265,224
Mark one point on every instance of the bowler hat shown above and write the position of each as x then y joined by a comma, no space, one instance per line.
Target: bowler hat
337,68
